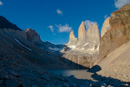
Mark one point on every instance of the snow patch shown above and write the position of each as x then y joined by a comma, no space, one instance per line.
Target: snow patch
22,44
54,49
85,44
72,46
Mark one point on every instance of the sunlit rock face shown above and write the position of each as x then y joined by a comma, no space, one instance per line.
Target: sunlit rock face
114,53
72,39
119,33
106,26
86,50
81,35
32,35
93,35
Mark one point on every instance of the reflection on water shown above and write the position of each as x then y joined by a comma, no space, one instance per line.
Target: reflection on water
80,74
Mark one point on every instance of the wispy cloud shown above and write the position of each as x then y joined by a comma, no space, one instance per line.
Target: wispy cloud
1,3
59,11
121,3
51,28
64,28
88,22
105,16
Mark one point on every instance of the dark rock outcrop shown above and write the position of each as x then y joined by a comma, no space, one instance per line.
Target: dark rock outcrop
32,35
5,24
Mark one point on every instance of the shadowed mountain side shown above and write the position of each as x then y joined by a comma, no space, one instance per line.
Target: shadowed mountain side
16,47
5,24
72,64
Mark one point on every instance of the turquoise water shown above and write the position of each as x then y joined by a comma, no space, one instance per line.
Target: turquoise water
80,74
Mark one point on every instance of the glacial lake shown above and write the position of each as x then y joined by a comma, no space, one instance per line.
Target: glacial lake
79,74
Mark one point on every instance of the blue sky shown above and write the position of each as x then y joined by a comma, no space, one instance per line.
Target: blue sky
54,19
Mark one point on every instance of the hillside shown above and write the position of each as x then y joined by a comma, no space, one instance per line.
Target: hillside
5,24
114,50
116,64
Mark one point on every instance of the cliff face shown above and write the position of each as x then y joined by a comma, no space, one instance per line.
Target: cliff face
114,54
81,35
72,39
106,26
86,50
32,35
119,33
93,34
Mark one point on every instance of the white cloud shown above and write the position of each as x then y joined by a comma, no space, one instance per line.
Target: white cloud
105,16
121,3
64,28
1,3
88,22
51,28
59,11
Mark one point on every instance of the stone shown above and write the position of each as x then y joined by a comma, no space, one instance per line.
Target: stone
106,26
118,34
13,83
32,35
34,86
93,34
72,39
88,42
82,37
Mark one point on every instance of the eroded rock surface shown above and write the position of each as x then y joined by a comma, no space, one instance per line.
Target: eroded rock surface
72,39
106,26
119,33
114,46
81,35
85,52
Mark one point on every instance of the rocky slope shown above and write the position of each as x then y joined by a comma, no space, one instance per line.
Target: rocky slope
27,46
119,33
4,23
114,46
116,64
24,58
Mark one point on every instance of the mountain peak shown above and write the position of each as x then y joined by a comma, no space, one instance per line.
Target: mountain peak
93,33
81,34
5,24
106,26
72,39
32,35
